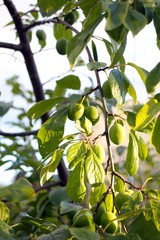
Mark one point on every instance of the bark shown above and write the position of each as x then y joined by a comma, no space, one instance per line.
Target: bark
24,47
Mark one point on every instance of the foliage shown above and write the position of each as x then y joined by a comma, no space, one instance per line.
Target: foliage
46,204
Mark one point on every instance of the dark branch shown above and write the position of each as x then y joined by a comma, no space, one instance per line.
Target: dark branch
27,54
50,20
15,47
20,134
48,186
32,71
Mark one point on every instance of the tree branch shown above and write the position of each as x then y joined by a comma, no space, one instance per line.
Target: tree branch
15,47
20,134
32,70
48,186
27,54
50,20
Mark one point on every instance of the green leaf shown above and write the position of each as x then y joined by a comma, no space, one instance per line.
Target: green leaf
86,6
71,82
67,207
153,79
132,158
59,234
84,217
84,233
48,170
93,13
109,46
76,153
48,7
4,212
97,193
119,52
51,132
18,191
42,107
134,21
142,147
119,185
6,232
152,193
93,169
117,34
116,13
76,188
4,107
124,237
136,199
92,66
57,195
142,72
145,229
109,203
129,214
60,31
154,214
155,135
94,50
146,113
76,45
156,21
120,85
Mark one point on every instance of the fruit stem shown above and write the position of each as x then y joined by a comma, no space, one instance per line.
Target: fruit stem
106,113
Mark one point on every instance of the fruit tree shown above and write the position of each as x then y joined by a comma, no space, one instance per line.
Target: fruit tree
71,183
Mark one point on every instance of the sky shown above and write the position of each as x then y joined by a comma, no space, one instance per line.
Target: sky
141,50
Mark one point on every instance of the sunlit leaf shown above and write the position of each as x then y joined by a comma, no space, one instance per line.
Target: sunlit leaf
71,82
146,113
18,191
142,72
4,212
97,193
142,147
152,193
76,153
60,31
119,185
6,231
153,79
51,132
42,107
93,168
155,135
132,158
48,170
76,188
